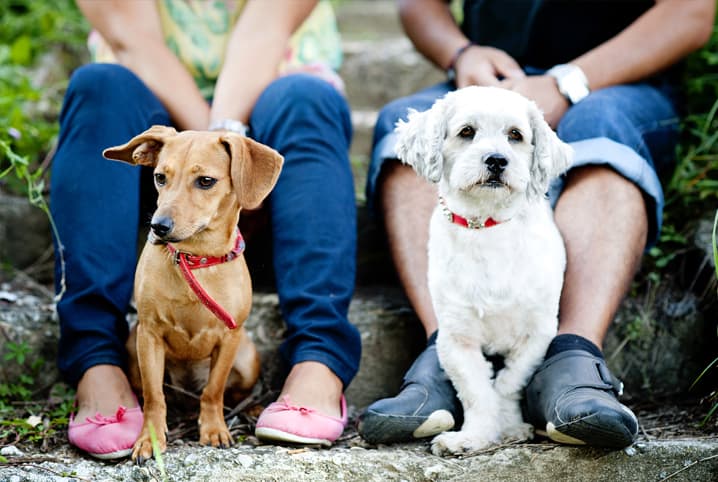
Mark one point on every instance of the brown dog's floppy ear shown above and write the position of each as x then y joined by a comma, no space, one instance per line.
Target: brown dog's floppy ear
142,149
254,168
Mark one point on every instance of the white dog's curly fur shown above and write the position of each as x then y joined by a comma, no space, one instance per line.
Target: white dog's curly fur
495,290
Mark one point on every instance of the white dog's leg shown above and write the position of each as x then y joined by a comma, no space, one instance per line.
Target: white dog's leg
520,364
471,375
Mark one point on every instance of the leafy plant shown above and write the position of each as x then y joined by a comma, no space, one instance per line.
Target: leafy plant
22,418
28,131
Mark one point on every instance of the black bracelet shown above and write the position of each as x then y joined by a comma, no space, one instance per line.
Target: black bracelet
451,69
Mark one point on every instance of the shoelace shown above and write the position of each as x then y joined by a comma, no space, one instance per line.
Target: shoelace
100,419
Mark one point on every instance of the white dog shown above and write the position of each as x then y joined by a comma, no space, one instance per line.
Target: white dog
496,258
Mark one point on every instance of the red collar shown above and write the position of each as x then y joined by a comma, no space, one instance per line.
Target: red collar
466,222
188,262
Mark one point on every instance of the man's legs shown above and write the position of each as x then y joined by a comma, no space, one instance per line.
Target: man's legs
427,403
408,201
608,211
603,218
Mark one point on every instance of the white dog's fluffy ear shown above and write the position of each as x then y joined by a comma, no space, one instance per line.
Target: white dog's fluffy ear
421,139
551,155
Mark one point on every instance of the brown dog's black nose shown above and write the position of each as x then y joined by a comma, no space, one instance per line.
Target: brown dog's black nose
496,163
162,226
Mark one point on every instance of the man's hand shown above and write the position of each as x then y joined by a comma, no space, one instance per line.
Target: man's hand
543,90
486,66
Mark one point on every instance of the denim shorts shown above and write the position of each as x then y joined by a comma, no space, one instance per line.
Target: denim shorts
633,129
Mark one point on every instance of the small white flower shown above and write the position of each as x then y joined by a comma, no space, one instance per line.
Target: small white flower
33,420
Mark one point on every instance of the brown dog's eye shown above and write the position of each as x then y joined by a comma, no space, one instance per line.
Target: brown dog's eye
515,135
160,179
467,132
205,182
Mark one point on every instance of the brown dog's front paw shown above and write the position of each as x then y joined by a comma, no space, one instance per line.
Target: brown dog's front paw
216,435
143,446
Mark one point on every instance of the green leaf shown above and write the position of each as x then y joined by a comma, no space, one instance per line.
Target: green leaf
21,50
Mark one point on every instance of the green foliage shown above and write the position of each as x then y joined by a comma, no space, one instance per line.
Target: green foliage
694,185
23,419
28,28
157,453
695,179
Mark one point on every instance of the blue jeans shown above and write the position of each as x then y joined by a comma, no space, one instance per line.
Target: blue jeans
632,129
97,205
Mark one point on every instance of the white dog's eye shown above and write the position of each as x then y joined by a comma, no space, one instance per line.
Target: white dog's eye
515,135
467,132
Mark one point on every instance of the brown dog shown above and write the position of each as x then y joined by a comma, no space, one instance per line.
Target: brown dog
204,179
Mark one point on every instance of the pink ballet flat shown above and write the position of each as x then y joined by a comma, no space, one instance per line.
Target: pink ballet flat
107,437
283,422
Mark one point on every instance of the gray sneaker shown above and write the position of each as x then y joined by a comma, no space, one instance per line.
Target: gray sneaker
425,406
573,396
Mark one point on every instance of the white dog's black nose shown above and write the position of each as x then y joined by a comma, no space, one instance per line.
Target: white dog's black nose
162,226
496,163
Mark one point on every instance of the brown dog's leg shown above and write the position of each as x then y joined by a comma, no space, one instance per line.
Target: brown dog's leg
151,361
212,428
245,371
134,367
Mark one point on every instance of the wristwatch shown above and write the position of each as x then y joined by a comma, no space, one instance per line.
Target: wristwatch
231,125
572,82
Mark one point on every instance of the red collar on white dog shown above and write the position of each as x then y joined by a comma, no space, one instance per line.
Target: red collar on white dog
188,262
466,222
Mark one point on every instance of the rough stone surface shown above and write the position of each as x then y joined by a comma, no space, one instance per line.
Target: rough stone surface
24,232
683,461
654,350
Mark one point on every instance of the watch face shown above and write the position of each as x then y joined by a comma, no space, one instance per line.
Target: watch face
572,82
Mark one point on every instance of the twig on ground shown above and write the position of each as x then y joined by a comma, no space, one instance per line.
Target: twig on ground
704,459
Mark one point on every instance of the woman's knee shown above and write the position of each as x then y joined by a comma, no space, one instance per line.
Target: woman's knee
94,81
302,94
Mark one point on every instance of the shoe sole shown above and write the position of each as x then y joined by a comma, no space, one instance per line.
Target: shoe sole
272,434
439,421
378,428
118,454
594,431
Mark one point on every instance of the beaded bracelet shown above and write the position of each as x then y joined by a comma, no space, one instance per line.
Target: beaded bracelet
451,69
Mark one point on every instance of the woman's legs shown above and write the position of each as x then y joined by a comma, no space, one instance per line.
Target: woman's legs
313,222
95,203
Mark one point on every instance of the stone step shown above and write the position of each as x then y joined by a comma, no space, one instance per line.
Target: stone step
674,460
376,72
658,344
368,19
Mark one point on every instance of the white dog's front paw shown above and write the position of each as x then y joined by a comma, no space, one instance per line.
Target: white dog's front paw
456,443
518,433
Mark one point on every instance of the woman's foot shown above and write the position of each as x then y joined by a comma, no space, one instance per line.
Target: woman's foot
108,418
310,410
313,385
103,388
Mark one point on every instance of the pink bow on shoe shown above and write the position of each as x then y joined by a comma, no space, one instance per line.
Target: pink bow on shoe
283,422
107,437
